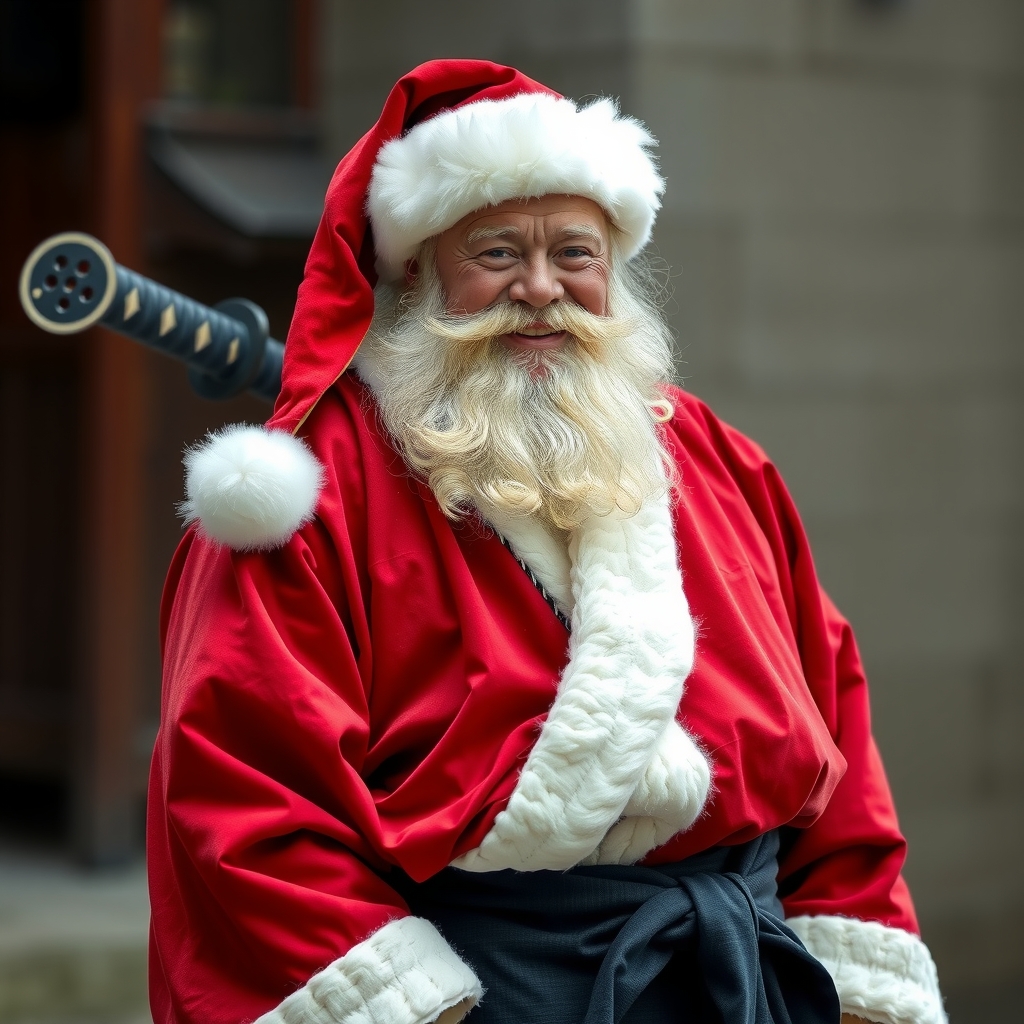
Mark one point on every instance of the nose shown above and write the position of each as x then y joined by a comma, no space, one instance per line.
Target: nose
536,284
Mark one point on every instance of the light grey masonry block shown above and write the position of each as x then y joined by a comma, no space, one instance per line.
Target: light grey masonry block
406,32
578,47
772,27
978,957
969,861
925,587
885,305
702,260
1003,151
985,36
766,143
968,708
849,457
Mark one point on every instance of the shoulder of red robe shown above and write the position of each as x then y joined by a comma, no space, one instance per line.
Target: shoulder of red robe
250,488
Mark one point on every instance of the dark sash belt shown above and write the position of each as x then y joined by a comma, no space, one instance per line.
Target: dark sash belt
700,940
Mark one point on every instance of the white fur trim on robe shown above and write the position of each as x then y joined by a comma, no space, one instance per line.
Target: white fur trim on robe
883,974
405,973
666,800
612,774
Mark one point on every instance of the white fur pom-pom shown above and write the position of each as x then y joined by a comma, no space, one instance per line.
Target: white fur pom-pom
251,488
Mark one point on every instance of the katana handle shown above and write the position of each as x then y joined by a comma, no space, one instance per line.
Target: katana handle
71,282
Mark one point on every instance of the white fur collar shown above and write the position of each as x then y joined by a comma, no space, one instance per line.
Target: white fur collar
545,554
612,774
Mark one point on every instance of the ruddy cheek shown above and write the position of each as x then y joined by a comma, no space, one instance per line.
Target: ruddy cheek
591,294
472,291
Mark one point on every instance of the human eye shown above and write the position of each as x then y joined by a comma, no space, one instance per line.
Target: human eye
496,257
575,255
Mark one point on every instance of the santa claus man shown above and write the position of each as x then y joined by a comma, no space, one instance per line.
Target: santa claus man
498,680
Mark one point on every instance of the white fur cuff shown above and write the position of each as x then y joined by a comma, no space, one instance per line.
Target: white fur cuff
405,973
882,974
251,488
667,799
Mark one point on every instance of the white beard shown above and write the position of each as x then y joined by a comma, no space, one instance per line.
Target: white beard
565,434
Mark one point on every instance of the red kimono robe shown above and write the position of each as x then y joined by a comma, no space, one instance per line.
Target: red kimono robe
364,697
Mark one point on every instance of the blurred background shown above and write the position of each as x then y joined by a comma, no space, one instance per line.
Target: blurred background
844,228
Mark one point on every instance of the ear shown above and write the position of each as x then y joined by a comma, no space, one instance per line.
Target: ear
412,270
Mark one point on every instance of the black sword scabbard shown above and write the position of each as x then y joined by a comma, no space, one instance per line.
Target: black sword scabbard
70,282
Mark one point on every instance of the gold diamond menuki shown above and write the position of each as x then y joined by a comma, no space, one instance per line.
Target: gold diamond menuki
202,336
168,321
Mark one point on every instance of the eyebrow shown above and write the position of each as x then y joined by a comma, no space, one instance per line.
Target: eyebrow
513,233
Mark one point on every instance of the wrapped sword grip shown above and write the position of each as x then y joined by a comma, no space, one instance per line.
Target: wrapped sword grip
70,282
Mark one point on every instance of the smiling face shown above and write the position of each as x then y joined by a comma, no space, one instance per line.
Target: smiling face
520,367
535,252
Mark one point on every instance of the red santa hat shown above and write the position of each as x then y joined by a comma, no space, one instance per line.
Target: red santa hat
454,136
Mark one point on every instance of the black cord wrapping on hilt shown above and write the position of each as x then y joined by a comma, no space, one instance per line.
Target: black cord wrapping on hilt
226,347
175,324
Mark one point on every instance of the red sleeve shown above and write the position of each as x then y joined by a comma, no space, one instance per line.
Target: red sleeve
848,862
263,861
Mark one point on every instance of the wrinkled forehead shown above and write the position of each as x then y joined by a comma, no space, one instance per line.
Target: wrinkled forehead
546,219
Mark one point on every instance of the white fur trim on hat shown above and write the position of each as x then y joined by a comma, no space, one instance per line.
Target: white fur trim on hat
405,973
486,152
882,974
251,488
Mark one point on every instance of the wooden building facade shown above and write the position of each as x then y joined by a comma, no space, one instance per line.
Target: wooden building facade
93,425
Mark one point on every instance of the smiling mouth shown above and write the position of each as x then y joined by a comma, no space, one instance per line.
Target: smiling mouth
537,336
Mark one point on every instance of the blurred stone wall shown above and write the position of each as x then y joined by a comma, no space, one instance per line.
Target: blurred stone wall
845,227
845,218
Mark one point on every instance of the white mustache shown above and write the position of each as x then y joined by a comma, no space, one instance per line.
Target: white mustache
517,317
